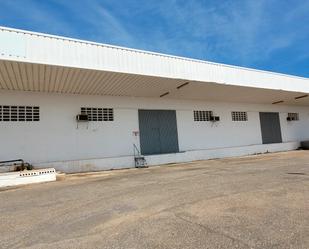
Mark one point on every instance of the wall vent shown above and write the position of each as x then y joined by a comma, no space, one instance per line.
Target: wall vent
239,116
98,114
292,116
19,113
202,115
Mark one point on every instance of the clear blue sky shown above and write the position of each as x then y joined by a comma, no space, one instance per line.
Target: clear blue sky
265,34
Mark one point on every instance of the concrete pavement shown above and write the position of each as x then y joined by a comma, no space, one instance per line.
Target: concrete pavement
250,202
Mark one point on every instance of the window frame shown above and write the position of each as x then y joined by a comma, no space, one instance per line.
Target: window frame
98,114
239,116
202,115
294,116
18,113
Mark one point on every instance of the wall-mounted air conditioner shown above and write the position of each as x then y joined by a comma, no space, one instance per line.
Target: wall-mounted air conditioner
82,117
214,118
291,119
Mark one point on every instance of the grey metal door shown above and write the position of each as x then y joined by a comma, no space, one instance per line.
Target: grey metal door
158,131
270,127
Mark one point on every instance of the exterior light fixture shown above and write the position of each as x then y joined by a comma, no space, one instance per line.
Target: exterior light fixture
184,84
278,102
302,96
164,94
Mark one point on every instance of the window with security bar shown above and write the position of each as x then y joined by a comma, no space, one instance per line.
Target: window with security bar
202,115
293,116
98,114
9,113
239,116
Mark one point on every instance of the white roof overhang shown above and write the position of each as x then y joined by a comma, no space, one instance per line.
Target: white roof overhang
38,62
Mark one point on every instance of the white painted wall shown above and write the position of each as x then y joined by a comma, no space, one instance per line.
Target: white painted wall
226,133
56,137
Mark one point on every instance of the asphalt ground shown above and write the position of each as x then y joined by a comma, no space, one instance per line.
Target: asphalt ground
249,202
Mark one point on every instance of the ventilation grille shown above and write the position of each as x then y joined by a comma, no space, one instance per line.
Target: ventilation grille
19,113
98,114
37,172
239,116
202,115
293,116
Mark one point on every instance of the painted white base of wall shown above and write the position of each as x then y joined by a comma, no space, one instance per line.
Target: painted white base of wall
27,177
187,156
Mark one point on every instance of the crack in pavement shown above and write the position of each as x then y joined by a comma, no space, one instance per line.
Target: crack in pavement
213,231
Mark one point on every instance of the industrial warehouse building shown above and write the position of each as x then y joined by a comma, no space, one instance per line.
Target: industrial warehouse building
82,106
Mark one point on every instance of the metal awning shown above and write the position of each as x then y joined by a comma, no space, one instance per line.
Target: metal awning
21,76
38,62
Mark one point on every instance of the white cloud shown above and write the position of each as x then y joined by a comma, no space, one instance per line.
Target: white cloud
36,15
232,31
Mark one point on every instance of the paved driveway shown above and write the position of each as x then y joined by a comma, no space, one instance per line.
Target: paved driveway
250,202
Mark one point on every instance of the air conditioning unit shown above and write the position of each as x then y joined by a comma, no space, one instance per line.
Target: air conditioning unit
214,118
290,118
82,117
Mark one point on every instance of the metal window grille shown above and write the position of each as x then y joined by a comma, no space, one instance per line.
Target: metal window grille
239,116
202,115
19,113
293,116
98,114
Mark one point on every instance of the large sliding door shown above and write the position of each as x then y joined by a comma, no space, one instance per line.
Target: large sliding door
270,127
158,131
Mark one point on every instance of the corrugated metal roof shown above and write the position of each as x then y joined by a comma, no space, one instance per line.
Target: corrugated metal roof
63,38
32,61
